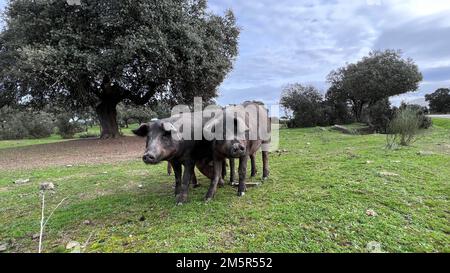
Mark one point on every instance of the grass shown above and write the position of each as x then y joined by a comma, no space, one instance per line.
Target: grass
441,123
315,201
92,131
4,144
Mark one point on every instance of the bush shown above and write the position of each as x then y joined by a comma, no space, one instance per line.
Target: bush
379,115
127,114
421,112
404,128
20,123
305,102
67,127
40,125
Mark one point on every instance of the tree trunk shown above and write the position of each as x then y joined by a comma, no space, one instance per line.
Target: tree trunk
357,110
107,115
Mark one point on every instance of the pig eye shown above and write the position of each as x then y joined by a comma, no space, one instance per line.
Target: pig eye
167,134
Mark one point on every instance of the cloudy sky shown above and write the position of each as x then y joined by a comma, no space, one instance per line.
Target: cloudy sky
287,41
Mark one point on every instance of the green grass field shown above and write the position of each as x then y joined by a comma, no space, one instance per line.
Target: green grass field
95,130
316,200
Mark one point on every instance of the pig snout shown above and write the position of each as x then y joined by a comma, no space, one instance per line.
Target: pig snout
149,158
237,150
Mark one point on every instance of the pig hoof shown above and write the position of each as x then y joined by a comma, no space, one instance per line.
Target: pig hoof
181,199
241,194
208,199
179,203
196,186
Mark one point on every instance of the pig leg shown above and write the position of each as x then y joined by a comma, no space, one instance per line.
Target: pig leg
178,171
194,181
224,174
217,176
265,159
169,169
253,162
232,171
187,176
242,173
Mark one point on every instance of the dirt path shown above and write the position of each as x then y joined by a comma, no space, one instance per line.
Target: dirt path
76,152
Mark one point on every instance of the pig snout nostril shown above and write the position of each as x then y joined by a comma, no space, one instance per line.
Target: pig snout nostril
242,148
148,158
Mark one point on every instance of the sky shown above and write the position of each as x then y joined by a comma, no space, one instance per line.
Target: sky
289,41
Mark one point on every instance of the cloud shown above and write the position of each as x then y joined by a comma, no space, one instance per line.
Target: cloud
289,41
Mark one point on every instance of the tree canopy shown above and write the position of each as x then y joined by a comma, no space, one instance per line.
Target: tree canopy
439,101
305,102
100,52
378,76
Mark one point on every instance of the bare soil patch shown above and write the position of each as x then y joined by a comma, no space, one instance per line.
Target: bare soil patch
75,152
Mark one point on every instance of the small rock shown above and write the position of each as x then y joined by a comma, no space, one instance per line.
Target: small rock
87,222
72,245
425,153
308,143
140,186
76,249
374,247
36,236
69,166
369,162
3,247
371,213
342,129
22,181
47,186
104,172
388,174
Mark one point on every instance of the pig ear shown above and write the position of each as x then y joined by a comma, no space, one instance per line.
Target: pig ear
168,127
142,131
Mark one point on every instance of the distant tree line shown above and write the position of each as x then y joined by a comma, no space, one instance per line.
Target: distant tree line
439,101
358,92
20,122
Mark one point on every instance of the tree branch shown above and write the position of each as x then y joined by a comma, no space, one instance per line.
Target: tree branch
141,100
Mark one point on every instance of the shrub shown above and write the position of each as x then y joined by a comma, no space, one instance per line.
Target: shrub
20,123
421,112
404,128
128,113
379,115
67,127
39,125
305,102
